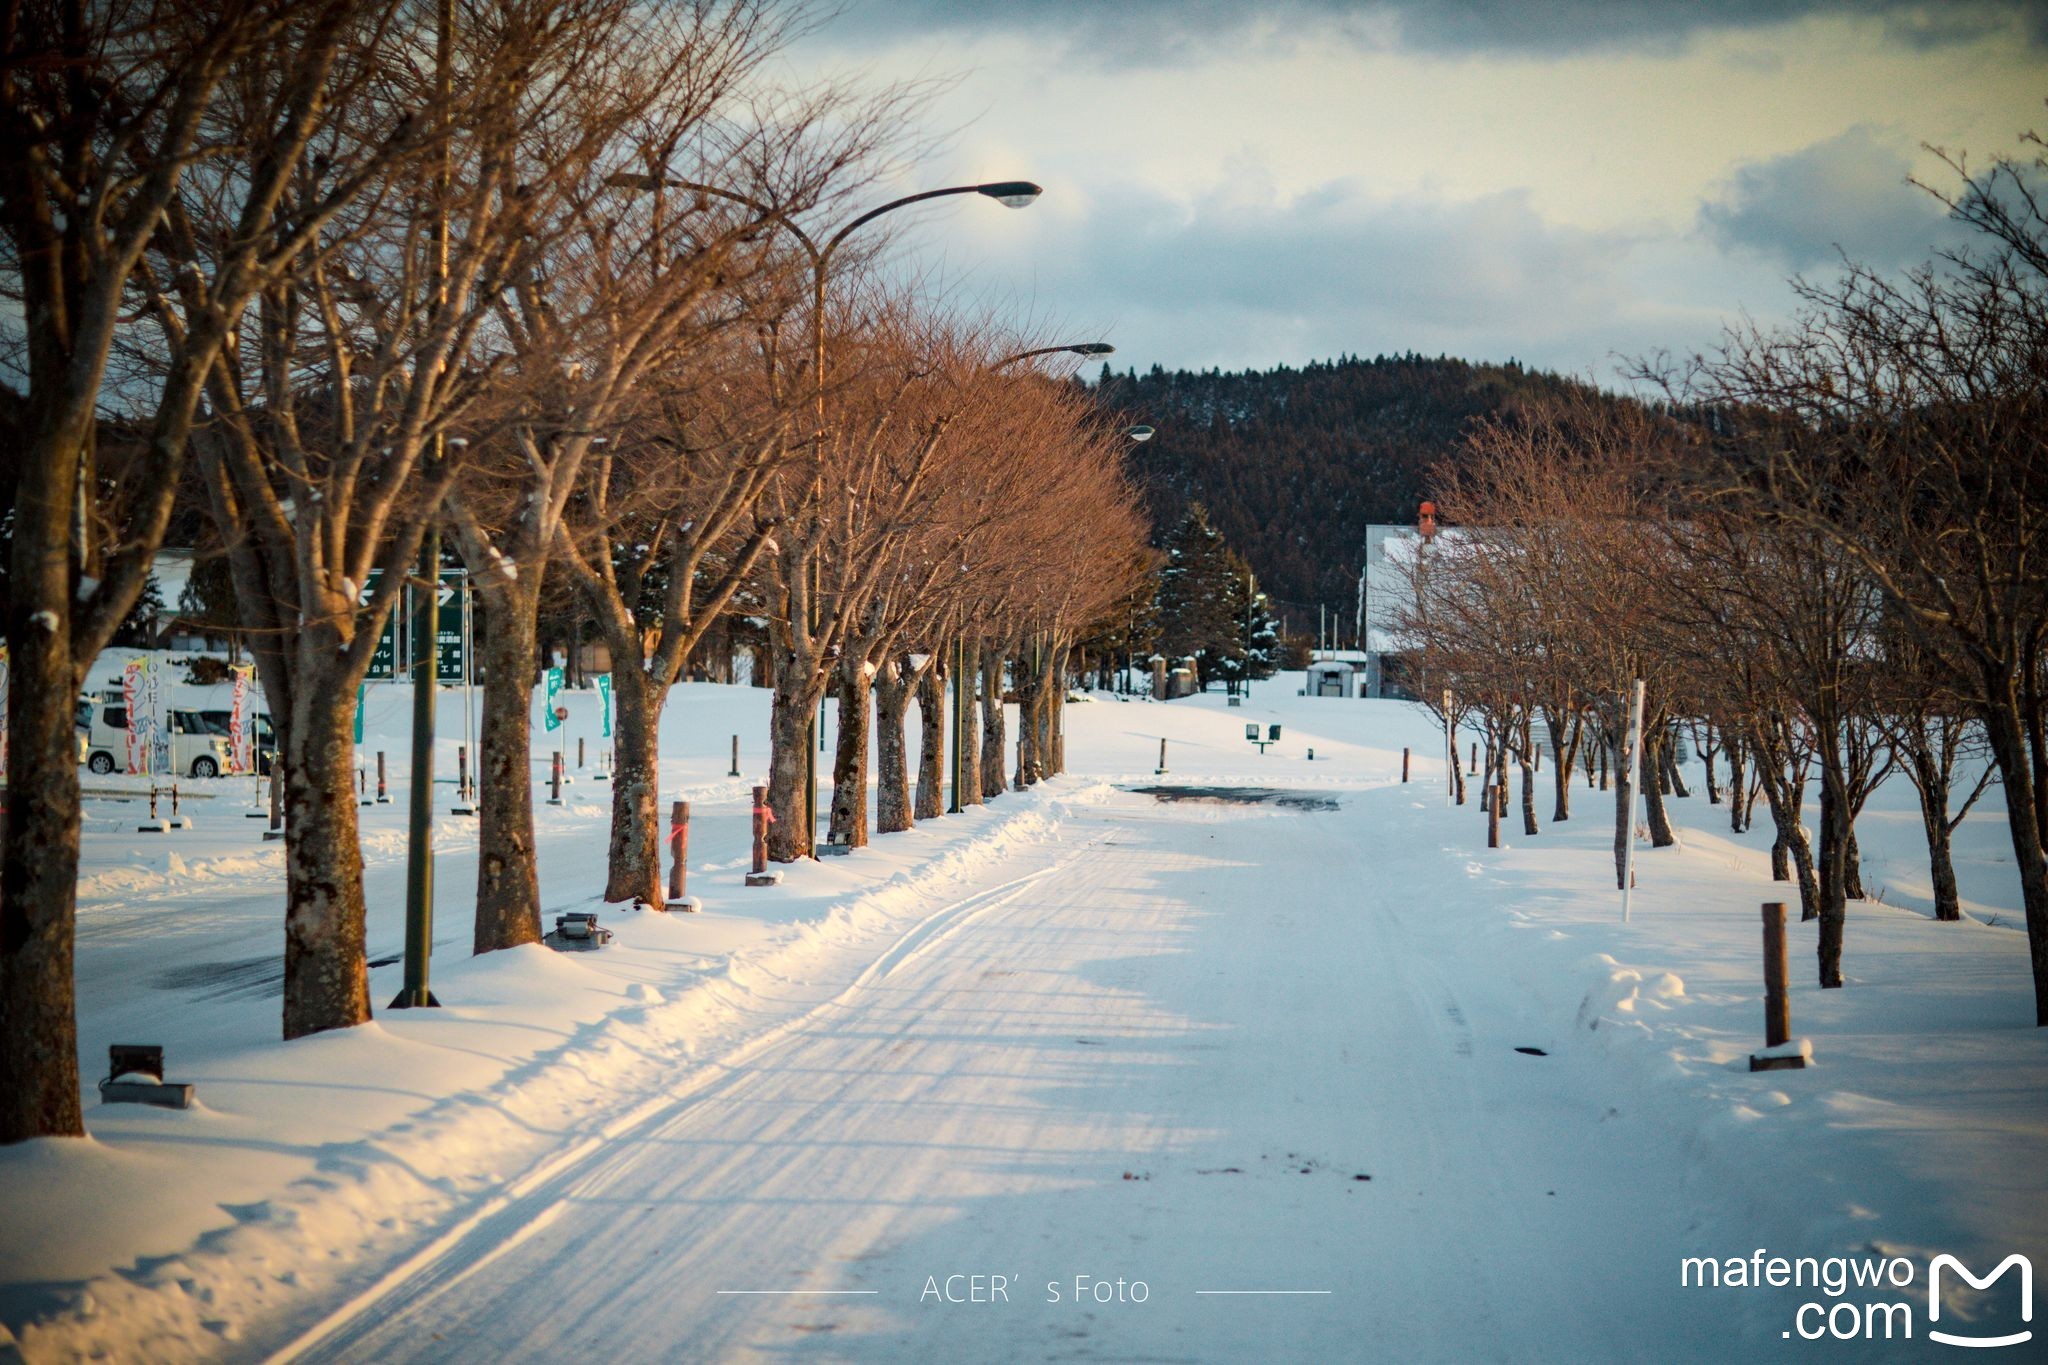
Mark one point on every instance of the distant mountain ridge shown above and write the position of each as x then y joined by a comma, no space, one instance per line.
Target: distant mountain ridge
1294,464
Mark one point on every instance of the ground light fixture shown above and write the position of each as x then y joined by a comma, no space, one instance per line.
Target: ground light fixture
1138,433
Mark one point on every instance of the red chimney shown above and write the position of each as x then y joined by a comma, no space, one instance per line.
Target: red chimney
1425,520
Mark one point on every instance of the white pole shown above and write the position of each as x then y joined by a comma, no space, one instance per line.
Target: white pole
1635,774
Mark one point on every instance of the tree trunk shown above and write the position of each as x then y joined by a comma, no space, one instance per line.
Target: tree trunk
1564,740
994,781
1786,800
1852,867
635,854
1834,908
507,877
1528,798
1739,797
39,885
1661,833
1674,779
931,749
2010,747
326,981
790,835
1706,755
1624,809
850,757
966,730
892,757
1931,783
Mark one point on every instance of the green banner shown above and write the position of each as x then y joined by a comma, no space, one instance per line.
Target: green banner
604,691
362,690
553,720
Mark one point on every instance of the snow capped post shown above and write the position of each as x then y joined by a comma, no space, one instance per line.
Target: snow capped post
679,850
1780,1052
1635,772
761,876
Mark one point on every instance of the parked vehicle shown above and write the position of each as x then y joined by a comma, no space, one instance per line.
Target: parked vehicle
196,751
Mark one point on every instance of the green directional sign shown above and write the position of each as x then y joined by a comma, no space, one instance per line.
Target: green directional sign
384,662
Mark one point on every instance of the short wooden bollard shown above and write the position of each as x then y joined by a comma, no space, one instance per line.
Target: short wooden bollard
1473,771
362,785
555,798
1780,1052
735,772
579,753
383,787
679,852
1404,765
1162,758
761,876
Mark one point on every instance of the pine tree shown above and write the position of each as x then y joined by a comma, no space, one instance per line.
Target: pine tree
1201,599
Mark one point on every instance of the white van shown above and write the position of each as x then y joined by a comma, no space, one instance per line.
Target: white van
196,751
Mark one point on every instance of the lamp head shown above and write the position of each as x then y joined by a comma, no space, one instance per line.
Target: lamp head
1093,348
1014,194
1140,433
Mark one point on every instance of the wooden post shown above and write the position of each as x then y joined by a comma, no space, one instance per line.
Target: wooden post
735,757
461,769
761,817
152,800
1404,764
1777,996
679,849
1473,770
1492,818
362,785
1162,756
383,790
174,803
555,798
579,753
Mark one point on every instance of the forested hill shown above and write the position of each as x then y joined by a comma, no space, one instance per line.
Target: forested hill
1293,464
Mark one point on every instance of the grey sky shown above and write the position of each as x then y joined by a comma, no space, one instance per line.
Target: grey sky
1558,180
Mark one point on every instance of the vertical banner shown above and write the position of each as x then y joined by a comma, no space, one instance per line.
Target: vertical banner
241,734
362,691
141,690
553,721
604,692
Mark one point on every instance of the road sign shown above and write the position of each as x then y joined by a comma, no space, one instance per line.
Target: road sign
384,660
452,666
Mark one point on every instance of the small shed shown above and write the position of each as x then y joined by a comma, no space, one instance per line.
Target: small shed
1336,673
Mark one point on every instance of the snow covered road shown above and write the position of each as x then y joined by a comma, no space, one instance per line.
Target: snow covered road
1063,1082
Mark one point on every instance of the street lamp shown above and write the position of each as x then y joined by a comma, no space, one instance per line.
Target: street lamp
1013,194
959,766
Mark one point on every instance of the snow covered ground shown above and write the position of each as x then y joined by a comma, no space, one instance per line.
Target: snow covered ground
960,1095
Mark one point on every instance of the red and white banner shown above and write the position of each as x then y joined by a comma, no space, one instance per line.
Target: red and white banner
241,734
131,696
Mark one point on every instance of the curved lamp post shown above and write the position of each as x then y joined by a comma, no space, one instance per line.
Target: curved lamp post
959,773
1014,194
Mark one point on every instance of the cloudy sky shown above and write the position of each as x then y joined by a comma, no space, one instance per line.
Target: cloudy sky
1563,181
